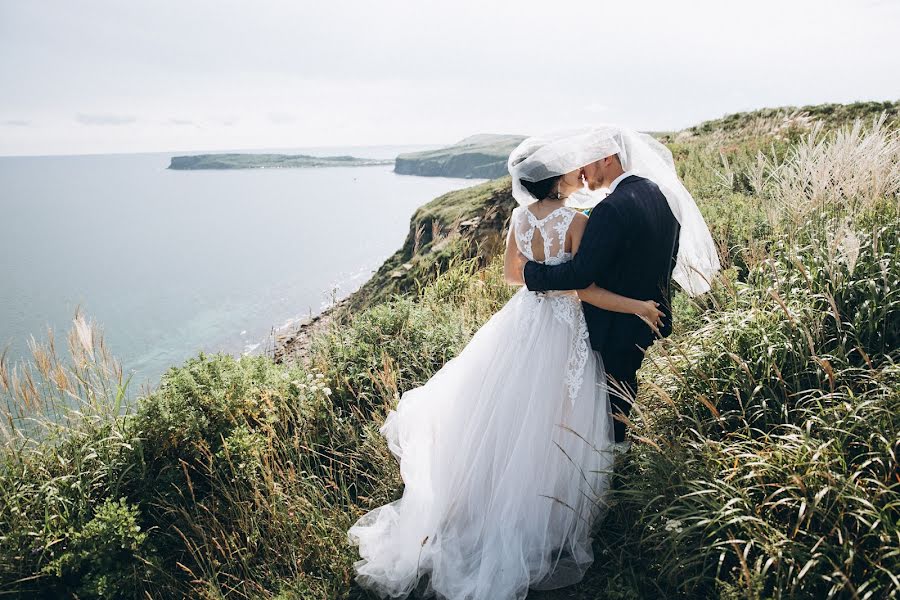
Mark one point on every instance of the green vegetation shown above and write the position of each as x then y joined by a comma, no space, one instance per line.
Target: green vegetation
268,161
768,425
478,157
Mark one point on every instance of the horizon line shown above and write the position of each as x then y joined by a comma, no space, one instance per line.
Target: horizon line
217,150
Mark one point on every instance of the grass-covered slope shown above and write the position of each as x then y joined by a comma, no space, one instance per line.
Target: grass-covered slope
480,156
767,427
776,122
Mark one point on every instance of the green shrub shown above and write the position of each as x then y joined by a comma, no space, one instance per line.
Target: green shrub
103,559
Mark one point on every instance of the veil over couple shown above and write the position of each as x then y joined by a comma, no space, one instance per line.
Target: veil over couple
506,451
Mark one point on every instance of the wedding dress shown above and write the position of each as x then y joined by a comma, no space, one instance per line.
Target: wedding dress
505,454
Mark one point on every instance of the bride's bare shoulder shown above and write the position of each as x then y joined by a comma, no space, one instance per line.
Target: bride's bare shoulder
579,220
576,229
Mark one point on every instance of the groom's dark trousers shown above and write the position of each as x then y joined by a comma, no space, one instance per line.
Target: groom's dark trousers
629,247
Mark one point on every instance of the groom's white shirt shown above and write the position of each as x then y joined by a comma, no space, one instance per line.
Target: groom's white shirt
615,182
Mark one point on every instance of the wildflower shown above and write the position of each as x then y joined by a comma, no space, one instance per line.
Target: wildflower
309,376
674,525
319,376
327,391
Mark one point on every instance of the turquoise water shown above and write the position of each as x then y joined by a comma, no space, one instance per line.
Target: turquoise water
173,262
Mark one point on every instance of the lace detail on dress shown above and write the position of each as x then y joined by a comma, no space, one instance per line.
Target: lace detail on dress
523,240
568,310
524,224
565,304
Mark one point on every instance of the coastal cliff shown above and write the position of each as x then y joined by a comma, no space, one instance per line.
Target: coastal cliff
480,156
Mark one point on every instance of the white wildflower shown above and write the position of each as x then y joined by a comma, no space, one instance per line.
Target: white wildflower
327,391
674,525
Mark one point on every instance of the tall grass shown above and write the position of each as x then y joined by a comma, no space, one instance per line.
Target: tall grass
65,452
775,429
233,478
839,173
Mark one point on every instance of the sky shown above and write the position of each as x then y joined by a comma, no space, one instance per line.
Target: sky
110,76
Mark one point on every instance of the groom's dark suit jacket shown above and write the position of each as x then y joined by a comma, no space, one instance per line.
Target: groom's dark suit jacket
628,247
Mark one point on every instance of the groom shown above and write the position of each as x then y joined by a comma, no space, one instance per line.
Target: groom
629,247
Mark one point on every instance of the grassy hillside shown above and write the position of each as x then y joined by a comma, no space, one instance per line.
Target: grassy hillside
768,425
776,121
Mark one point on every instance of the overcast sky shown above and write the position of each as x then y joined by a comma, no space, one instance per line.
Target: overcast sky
112,76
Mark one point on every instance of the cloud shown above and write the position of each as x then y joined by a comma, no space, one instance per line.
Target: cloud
17,123
182,122
104,119
596,107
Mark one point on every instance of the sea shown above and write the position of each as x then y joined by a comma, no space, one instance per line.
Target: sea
169,263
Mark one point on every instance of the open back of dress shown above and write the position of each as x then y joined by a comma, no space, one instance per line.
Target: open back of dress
543,240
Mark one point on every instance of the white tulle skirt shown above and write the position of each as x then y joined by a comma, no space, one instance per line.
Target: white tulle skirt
505,464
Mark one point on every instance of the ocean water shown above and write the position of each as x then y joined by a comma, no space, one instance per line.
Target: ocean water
173,262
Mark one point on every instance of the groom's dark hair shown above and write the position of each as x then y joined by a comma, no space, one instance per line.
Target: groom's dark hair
540,189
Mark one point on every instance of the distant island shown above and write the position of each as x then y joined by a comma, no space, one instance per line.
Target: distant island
269,161
480,156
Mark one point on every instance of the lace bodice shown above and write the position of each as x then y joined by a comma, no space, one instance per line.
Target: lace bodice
551,234
548,235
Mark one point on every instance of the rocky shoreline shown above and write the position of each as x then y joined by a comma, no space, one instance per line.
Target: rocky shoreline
462,224
293,345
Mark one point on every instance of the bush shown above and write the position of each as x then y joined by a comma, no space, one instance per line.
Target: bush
104,558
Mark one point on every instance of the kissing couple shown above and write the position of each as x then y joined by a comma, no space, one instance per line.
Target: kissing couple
506,452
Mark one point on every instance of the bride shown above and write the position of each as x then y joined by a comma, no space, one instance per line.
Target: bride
505,452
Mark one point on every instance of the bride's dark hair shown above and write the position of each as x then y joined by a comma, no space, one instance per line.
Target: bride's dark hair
541,189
